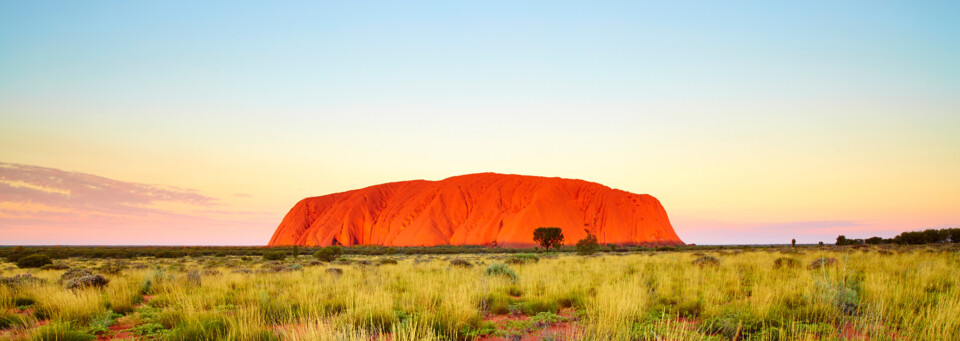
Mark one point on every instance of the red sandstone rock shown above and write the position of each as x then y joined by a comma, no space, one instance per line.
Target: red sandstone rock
475,209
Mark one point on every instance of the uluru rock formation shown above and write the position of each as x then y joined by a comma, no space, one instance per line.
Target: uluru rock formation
475,209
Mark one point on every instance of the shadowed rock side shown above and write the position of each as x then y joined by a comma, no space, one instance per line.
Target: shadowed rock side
475,209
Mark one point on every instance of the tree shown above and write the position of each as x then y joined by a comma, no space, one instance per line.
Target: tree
842,240
296,251
954,235
793,242
588,245
874,240
548,237
328,254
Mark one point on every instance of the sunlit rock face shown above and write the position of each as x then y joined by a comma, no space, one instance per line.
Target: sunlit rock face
475,209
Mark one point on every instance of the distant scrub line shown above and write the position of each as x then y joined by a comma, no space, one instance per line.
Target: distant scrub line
13,254
928,236
37,256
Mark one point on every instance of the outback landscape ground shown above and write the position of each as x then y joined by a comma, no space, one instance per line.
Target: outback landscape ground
864,292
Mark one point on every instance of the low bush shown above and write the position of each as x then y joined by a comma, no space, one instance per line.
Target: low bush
534,307
463,263
20,280
823,262
522,258
388,261
112,268
706,261
589,245
34,261
55,266
74,273
328,254
101,323
91,281
786,262
275,255
545,318
500,269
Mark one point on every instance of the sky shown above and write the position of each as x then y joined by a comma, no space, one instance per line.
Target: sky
180,122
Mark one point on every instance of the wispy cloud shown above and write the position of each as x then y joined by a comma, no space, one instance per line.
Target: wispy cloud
57,188
66,204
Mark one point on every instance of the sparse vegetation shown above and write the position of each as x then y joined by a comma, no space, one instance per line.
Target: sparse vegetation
704,293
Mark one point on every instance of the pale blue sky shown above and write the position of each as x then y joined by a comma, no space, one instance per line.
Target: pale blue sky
730,112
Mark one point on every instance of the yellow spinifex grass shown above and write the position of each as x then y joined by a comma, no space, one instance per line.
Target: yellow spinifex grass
909,293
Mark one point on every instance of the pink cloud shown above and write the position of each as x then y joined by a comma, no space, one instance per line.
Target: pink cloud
41,205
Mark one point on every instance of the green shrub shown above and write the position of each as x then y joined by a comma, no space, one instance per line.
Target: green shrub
534,307
148,329
589,245
274,255
500,269
522,258
34,261
388,261
483,329
543,319
55,266
60,332
328,254
101,323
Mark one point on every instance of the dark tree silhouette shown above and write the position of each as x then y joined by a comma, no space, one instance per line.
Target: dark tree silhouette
548,237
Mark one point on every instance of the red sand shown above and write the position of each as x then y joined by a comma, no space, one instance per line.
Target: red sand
118,332
475,209
567,330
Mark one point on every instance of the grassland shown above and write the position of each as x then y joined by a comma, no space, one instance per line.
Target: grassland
803,293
